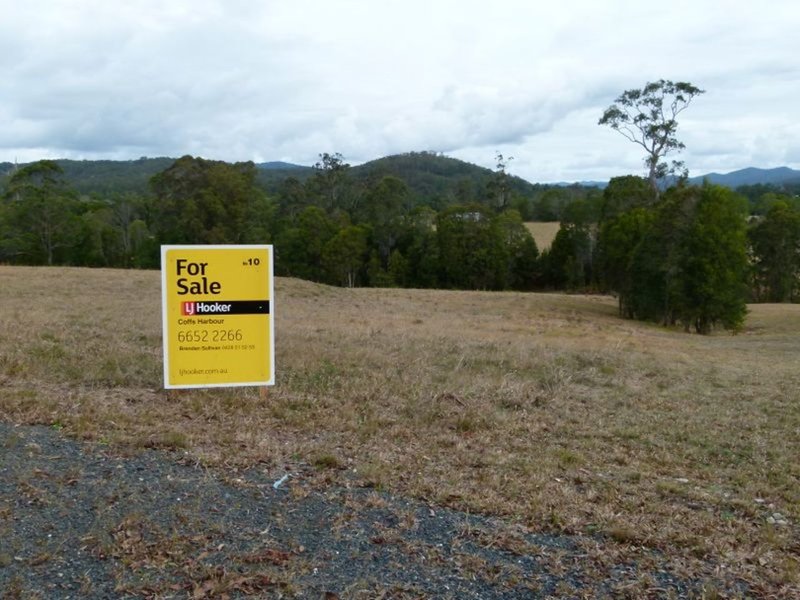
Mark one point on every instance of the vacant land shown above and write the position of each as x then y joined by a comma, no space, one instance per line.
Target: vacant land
547,410
543,233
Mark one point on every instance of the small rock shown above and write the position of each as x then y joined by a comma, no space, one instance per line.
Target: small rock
681,480
760,501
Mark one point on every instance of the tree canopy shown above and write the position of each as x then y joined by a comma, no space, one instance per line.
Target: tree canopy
648,117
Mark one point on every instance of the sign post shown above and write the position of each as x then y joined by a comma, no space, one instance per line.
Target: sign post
217,316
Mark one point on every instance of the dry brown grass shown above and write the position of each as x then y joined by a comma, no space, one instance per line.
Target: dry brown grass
547,409
543,233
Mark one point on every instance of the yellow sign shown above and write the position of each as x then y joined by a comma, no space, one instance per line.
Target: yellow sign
217,316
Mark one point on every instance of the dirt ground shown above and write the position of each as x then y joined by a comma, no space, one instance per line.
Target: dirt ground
79,520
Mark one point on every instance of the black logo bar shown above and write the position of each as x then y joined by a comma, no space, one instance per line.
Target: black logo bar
232,307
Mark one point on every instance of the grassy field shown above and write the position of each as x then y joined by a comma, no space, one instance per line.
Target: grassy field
543,233
544,408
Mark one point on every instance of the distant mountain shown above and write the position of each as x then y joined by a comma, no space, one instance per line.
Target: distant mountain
594,184
751,176
279,164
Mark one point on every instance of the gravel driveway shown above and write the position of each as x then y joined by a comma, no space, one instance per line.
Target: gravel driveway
79,520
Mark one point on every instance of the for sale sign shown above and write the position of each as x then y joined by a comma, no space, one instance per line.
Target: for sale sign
217,314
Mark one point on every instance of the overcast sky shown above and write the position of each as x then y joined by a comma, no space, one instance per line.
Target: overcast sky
287,80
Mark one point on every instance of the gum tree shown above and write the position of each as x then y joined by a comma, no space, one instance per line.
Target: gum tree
648,117
42,212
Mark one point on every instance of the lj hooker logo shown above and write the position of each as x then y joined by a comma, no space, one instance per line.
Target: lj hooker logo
231,307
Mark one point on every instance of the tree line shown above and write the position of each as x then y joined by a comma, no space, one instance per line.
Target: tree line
689,255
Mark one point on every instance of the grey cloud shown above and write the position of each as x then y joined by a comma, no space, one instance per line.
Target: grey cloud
241,80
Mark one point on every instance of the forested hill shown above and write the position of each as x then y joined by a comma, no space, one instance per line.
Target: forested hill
433,176
271,175
105,177
428,175
112,177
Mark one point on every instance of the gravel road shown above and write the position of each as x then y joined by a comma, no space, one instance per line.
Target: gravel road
80,520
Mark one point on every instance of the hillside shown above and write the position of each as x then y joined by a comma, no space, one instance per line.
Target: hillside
106,177
272,174
428,174
435,176
432,177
